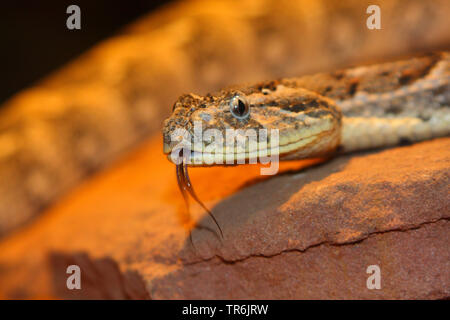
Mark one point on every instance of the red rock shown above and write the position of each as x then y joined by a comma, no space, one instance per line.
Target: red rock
303,234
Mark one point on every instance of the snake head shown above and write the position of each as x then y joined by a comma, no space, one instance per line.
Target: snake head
243,123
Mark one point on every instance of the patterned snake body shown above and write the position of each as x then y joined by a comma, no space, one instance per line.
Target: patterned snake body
358,108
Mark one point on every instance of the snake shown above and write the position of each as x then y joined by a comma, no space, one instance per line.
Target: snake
95,110
359,108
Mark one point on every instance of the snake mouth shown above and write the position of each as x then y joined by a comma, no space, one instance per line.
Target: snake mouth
202,158
281,143
316,144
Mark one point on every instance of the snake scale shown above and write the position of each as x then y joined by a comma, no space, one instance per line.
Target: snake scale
80,119
354,109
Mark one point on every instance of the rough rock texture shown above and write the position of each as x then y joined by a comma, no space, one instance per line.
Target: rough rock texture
309,232
86,115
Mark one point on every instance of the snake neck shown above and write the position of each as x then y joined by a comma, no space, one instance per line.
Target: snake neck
388,104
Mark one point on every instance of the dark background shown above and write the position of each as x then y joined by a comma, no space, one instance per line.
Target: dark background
35,40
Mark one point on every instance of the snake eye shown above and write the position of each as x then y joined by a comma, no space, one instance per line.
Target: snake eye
239,107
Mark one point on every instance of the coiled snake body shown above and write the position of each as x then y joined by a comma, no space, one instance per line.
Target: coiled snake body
359,108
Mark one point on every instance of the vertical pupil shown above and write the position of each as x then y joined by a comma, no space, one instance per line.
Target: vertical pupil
241,107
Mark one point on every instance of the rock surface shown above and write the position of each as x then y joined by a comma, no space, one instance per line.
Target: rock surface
309,232
88,114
